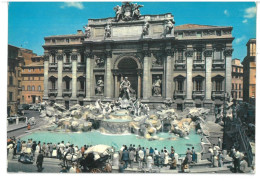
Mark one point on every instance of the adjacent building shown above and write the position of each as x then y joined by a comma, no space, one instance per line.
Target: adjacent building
237,80
32,80
188,64
249,64
15,63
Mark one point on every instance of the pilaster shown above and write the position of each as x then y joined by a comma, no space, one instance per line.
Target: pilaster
60,70
146,73
228,68
74,58
108,76
46,76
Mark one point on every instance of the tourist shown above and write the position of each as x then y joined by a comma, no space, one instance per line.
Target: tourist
47,150
166,158
62,147
156,157
220,159
34,147
193,154
144,160
121,167
131,157
210,150
44,149
161,162
10,152
125,157
174,163
64,170
23,147
37,150
147,153
219,142
149,163
50,149
141,158
184,164
18,147
151,151
72,168
236,159
39,161
188,155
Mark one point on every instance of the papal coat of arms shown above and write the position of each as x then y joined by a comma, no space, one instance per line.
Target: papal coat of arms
128,11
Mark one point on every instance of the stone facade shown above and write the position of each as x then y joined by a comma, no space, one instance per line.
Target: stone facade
15,62
193,62
237,80
249,63
32,80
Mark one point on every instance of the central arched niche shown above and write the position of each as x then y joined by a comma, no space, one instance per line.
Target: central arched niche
127,67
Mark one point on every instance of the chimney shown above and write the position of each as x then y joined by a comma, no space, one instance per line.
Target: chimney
79,32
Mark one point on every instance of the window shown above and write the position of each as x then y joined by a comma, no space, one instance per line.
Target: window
28,88
232,86
180,85
67,84
180,35
82,58
10,80
67,40
218,32
53,84
217,54
33,88
198,55
23,98
239,87
198,34
29,70
218,85
53,40
33,69
239,94
67,58
236,86
81,85
180,55
19,73
10,96
236,69
23,87
39,88
198,85
53,58
19,83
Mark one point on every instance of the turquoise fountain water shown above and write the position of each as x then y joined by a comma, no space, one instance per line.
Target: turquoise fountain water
95,137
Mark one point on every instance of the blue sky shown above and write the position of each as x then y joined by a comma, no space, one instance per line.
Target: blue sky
30,22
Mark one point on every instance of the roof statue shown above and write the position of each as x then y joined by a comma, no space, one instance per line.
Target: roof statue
128,11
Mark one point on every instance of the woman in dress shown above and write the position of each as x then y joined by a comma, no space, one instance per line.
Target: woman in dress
166,157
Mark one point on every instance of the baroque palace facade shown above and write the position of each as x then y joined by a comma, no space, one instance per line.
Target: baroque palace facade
188,65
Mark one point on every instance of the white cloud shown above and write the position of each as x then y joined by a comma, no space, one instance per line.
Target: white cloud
250,12
244,21
78,5
226,12
240,39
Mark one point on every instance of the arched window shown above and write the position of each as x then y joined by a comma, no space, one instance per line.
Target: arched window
33,88
39,88
28,88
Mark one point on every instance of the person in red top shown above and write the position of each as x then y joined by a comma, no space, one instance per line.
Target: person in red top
28,126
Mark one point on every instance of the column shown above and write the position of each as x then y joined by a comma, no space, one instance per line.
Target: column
146,73
115,86
168,77
108,76
208,87
46,77
189,55
228,68
74,58
139,86
88,75
60,70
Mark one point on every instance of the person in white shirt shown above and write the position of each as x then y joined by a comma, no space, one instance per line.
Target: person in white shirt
73,169
141,158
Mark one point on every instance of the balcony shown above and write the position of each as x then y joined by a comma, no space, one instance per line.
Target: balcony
81,66
53,66
53,92
67,66
198,64
180,64
66,92
198,94
81,93
218,64
217,95
179,94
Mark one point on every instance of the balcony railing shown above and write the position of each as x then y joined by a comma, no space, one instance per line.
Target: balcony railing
217,95
81,92
180,64
81,66
53,92
198,64
53,66
179,94
198,94
66,92
67,66
218,63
